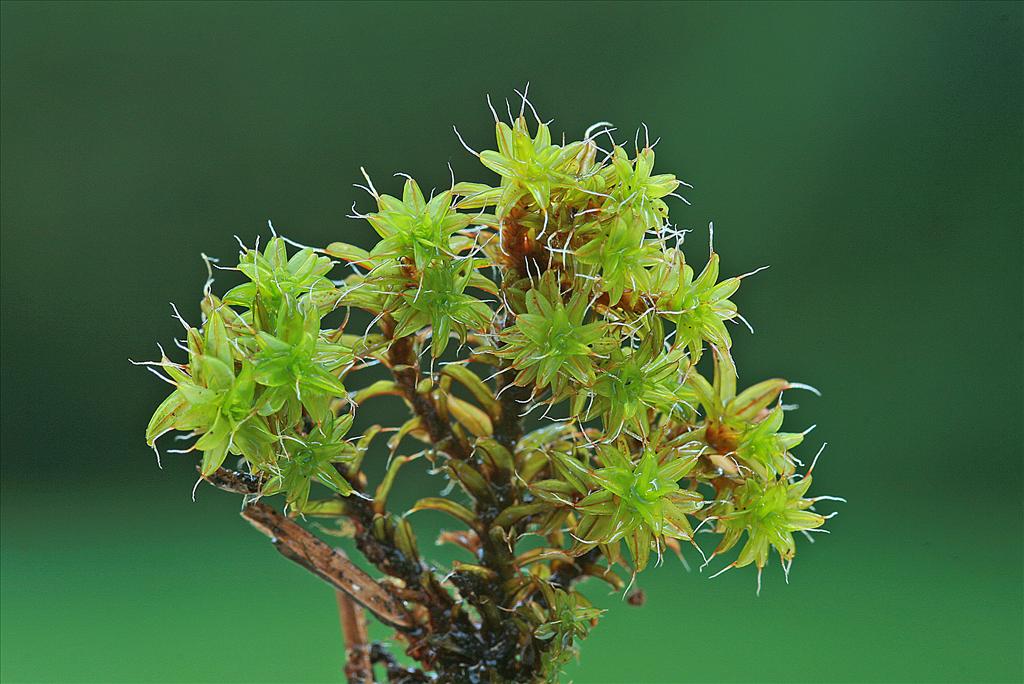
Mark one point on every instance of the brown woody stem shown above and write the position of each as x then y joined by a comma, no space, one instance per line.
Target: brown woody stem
358,666
404,366
302,547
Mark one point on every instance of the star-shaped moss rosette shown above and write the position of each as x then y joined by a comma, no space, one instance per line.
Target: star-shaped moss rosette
698,307
639,503
440,301
621,256
742,430
635,190
568,292
550,344
633,384
415,230
768,513
529,166
312,457
298,366
273,276
214,399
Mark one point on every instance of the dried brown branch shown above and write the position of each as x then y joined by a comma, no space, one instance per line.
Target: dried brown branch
358,666
297,544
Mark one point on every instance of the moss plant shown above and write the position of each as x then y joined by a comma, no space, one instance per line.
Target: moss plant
558,289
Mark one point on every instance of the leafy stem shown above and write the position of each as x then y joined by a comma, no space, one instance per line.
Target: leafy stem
563,277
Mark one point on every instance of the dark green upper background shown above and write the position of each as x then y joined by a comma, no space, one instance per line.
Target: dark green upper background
870,153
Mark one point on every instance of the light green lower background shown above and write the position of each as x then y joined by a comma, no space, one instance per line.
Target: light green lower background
874,602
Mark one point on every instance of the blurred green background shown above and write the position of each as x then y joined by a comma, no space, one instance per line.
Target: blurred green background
870,153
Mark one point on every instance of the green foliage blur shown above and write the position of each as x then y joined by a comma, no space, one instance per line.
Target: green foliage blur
870,153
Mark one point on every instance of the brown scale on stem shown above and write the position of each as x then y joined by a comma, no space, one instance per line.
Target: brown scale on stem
521,253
